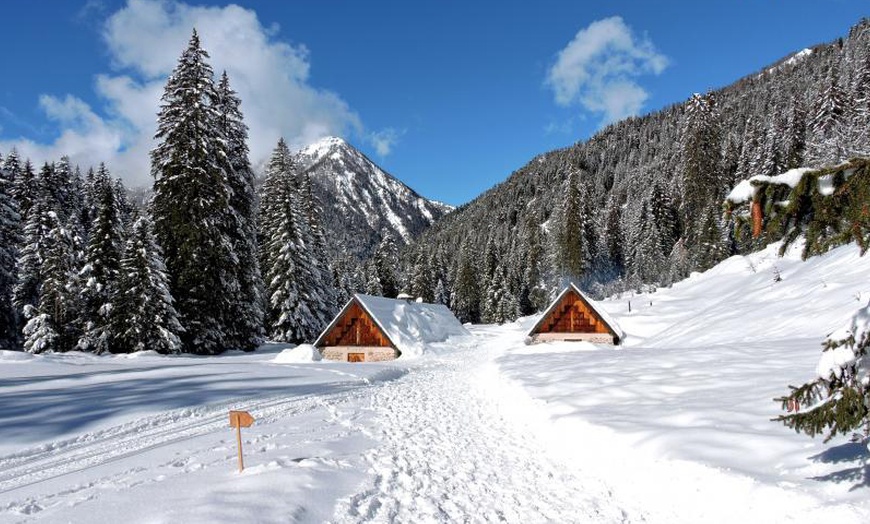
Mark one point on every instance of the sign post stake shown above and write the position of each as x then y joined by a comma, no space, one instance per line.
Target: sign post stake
239,440
239,419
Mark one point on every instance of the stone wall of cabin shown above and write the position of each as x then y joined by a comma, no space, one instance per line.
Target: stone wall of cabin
372,354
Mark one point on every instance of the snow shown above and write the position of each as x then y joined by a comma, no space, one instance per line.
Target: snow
674,426
797,57
745,190
792,60
298,354
322,147
832,362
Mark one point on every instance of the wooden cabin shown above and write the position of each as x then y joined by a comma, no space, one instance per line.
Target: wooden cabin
574,316
371,329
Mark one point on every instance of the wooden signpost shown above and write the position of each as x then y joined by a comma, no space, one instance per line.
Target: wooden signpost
239,420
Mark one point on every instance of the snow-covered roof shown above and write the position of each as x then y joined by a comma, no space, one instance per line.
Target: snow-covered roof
409,325
603,315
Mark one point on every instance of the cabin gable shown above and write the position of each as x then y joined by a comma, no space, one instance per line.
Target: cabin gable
354,336
572,316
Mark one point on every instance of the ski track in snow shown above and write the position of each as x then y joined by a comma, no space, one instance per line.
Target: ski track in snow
448,455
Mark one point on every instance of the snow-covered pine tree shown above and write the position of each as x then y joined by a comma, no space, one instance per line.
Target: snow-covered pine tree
24,189
499,305
712,247
442,296
837,402
39,220
321,291
795,135
373,281
465,299
665,216
701,149
611,238
421,278
571,250
860,87
285,259
769,161
747,165
246,313
827,129
102,267
143,317
62,195
386,260
191,204
645,257
10,227
126,208
52,326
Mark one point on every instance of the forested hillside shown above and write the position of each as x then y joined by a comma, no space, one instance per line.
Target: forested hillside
640,203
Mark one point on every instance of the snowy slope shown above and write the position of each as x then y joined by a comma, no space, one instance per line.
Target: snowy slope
689,397
360,200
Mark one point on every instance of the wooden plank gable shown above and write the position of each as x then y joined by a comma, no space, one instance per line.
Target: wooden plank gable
355,327
573,315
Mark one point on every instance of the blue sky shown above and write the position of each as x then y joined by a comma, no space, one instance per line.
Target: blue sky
449,96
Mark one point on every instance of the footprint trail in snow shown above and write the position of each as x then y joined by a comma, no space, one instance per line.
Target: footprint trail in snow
448,455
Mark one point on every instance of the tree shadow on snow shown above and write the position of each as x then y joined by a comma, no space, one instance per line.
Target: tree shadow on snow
30,415
848,453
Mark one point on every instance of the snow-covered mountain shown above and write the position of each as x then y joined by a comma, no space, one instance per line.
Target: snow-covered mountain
361,202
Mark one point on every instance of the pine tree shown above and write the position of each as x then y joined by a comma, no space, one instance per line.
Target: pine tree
143,317
860,121
795,136
194,221
24,189
288,266
465,300
769,162
838,401
571,244
126,209
10,226
321,291
386,260
712,247
373,281
421,278
442,296
102,267
245,312
827,127
52,326
40,219
57,184
700,147
499,306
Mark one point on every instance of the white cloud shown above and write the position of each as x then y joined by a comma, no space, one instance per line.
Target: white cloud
599,67
384,140
144,40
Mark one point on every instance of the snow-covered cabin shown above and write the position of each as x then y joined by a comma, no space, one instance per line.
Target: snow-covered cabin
574,316
370,328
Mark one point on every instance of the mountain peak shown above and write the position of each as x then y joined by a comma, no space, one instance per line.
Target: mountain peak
323,146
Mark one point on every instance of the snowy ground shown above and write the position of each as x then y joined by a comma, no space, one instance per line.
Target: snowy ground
673,427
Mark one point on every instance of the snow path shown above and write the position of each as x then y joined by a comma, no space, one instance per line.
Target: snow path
449,453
